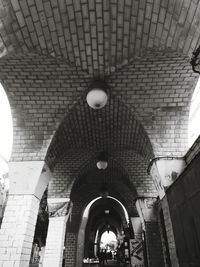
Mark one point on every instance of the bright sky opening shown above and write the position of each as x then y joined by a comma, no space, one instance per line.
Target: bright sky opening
107,238
6,133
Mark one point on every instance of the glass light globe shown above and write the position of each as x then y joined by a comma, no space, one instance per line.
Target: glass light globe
97,98
102,165
106,211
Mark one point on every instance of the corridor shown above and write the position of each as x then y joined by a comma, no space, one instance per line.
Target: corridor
101,133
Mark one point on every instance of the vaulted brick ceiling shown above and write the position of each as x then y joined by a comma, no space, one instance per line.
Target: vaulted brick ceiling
112,128
151,94
98,36
92,182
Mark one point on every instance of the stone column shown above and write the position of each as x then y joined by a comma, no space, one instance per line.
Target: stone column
148,214
136,244
60,210
169,232
137,227
28,181
164,171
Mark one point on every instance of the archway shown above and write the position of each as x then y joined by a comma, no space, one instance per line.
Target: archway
99,216
72,155
108,240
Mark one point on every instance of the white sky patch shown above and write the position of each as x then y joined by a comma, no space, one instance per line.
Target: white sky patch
106,237
6,129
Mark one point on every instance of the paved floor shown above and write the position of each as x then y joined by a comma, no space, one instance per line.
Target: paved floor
110,263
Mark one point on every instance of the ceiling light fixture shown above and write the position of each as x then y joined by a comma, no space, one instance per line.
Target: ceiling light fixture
106,212
102,162
97,97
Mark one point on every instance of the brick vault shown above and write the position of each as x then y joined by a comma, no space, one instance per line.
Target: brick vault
51,51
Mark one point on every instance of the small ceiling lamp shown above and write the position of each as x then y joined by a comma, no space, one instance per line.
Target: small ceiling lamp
102,162
195,61
108,228
97,97
106,212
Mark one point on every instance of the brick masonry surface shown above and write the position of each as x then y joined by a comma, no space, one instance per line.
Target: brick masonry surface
70,252
98,36
129,181
183,198
154,249
50,53
17,230
156,89
169,231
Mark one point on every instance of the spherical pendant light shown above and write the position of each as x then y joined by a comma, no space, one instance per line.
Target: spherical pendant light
97,97
102,162
102,165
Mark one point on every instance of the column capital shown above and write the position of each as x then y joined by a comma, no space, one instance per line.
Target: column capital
59,206
164,171
146,208
137,226
28,177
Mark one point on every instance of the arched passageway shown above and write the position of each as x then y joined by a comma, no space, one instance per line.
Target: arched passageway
52,53
104,214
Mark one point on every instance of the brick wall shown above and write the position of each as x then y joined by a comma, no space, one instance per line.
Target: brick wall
154,247
76,163
183,198
169,243
17,230
126,183
70,250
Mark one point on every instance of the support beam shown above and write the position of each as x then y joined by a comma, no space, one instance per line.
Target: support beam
60,210
28,181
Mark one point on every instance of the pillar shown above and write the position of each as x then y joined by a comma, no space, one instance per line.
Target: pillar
60,210
80,241
136,244
164,171
147,211
169,232
28,181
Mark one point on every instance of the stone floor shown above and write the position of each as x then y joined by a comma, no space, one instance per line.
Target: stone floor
110,263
